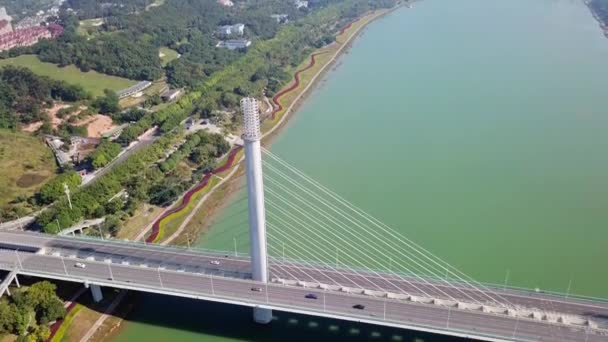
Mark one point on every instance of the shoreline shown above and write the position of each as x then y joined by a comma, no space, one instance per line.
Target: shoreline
291,110
279,113
227,187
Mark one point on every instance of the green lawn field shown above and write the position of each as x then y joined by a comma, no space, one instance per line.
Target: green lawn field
26,164
167,55
92,81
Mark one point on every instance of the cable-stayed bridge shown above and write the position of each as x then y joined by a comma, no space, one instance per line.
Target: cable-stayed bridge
313,252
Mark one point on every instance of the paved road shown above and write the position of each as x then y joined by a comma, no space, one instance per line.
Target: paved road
146,140
181,272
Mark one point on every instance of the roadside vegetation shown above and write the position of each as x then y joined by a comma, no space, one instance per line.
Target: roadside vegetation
215,80
167,55
28,312
25,166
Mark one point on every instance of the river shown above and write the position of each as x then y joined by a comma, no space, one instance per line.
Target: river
477,128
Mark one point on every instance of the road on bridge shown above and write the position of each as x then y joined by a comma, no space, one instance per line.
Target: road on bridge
192,274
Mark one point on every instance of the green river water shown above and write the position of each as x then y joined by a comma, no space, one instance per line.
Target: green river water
477,128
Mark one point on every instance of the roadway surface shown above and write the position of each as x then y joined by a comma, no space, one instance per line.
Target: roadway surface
191,274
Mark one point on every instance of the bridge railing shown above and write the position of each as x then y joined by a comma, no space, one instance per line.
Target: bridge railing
268,301
456,282
139,244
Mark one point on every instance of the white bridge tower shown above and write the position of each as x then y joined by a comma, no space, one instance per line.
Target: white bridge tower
255,195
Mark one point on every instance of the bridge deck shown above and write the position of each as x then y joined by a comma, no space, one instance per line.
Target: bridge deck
191,274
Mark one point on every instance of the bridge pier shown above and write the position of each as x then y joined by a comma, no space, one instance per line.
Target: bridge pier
262,315
255,198
97,294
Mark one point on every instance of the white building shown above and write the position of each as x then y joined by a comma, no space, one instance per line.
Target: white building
236,29
280,18
225,3
301,4
234,44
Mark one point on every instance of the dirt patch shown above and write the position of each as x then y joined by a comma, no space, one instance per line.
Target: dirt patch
33,127
30,179
97,125
52,113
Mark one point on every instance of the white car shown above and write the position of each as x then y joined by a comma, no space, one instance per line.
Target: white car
214,262
80,265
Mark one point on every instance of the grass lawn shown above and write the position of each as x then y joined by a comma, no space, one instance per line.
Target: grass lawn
89,27
167,55
142,217
155,88
26,163
91,81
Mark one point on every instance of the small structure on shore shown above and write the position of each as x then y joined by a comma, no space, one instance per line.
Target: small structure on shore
280,18
134,90
171,94
234,44
227,30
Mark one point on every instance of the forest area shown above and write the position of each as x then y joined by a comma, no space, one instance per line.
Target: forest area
215,80
263,65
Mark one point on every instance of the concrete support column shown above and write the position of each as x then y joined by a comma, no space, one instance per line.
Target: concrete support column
255,197
262,315
17,281
97,294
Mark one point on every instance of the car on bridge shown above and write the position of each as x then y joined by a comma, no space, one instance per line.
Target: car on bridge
80,265
359,306
256,289
311,296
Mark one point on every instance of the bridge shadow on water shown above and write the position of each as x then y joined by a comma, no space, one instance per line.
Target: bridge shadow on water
162,318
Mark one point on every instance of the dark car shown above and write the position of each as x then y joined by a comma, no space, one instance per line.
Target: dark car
311,296
256,289
358,306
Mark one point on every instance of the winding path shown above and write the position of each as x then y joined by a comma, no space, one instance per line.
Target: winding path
188,196
156,227
293,86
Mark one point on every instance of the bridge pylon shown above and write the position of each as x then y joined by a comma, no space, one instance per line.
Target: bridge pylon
255,196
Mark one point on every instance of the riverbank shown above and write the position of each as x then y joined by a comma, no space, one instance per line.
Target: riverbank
189,217
307,77
179,219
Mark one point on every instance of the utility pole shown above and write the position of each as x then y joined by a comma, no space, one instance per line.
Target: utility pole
212,289
448,322
506,279
384,310
67,193
19,221
569,286
18,259
160,280
324,306
65,269
235,252
516,323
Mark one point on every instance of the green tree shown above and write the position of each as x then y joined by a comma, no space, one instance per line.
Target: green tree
108,103
54,189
